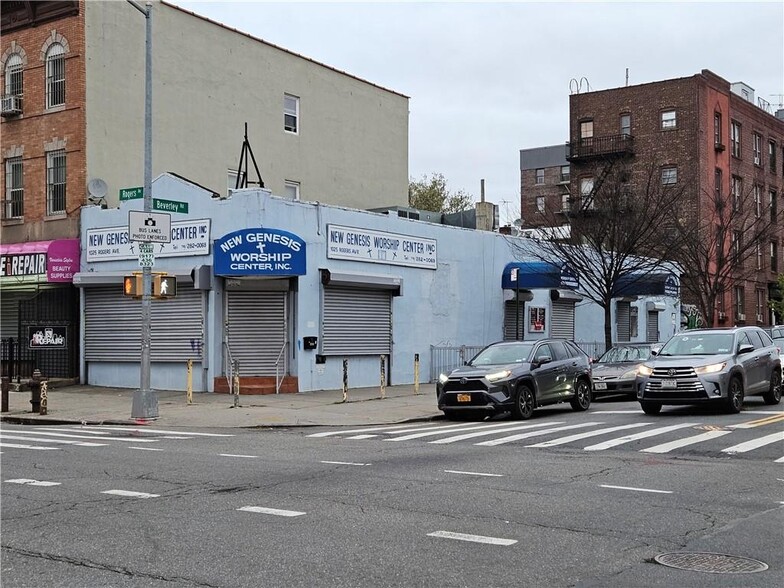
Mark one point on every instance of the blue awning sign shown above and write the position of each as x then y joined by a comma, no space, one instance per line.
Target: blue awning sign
529,275
646,284
259,252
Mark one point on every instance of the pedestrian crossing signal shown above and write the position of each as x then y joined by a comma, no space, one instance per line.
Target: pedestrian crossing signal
132,285
164,286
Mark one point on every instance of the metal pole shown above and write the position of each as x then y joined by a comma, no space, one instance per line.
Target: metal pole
145,400
383,378
345,380
235,383
416,373
189,382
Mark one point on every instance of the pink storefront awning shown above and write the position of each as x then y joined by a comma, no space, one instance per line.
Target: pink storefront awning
60,259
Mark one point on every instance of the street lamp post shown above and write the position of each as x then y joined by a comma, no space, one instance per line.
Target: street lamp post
145,400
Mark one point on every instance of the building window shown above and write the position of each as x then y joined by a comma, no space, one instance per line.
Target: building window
773,206
756,148
737,192
14,75
669,175
626,125
14,188
55,182
586,129
565,205
717,140
540,203
539,177
735,138
757,201
774,264
291,190
566,174
55,75
737,240
758,251
717,181
739,296
772,156
760,305
669,120
291,113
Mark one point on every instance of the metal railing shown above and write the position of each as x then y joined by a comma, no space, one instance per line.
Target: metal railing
228,364
589,147
278,379
445,359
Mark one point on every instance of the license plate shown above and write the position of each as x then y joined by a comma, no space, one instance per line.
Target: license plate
669,384
600,386
464,398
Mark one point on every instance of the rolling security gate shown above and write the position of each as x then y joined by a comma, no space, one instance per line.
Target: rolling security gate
562,322
112,326
514,320
652,327
622,318
257,331
356,321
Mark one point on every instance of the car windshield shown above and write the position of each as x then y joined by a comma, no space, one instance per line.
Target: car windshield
625,353
503,354
701,344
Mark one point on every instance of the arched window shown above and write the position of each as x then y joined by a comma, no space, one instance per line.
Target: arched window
13,75
55,75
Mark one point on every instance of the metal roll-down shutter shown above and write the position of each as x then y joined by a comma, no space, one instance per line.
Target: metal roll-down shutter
257,331
356,321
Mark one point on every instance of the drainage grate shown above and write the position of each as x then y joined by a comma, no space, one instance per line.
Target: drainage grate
715,563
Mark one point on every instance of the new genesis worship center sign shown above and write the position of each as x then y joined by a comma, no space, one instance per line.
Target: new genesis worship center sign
259,252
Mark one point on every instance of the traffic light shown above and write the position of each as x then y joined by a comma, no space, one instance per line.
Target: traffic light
164,286
132,285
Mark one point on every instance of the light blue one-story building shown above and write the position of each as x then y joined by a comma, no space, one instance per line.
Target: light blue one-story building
301,294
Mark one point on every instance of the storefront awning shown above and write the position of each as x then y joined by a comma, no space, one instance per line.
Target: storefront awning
58,259
646,284
538,274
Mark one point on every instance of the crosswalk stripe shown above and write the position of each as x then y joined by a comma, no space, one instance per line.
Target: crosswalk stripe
485,433
755,443
18,446
160,431
363,430
272,511
69,436
130,494
518,437
43,440
667,447
577,437
473,538
485,430
357,437
636,436
28,482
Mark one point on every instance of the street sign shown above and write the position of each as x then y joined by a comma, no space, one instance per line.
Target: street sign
170,205
149,226
146,260
131,193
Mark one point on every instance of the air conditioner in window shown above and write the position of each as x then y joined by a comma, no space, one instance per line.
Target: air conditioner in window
760,318
741,317
11,105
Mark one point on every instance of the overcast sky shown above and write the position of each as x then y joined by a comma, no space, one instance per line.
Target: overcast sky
487,79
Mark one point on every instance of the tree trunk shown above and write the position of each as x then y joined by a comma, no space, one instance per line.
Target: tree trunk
607,324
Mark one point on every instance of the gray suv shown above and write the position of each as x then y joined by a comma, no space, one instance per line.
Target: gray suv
711,366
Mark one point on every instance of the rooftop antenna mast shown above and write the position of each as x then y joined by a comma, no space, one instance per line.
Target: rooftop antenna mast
245,154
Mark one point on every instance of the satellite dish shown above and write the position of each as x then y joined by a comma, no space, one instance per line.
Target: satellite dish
97,188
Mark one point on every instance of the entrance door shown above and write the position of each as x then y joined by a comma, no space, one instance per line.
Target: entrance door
256,332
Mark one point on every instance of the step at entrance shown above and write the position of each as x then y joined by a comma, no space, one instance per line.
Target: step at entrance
258,385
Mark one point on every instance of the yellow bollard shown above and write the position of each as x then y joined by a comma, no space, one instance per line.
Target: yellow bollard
190,382
416,373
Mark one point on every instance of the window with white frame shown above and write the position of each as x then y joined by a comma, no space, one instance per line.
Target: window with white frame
718,179
757,200
14,188
717,139
540,203
55,182
566,173
626,125
774,262
14,72
772,156
758,251
539,177
739,302
586,193
669,175
669,120
760,304
291,190
735,138
291,113
736,189
737,240
55,75
773,206
756,148
586,129
565,204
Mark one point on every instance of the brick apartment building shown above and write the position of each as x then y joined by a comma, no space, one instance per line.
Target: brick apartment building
701,131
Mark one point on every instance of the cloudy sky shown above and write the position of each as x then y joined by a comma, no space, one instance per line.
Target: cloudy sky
487,79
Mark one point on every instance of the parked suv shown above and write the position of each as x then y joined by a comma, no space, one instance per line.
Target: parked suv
517,376
711,366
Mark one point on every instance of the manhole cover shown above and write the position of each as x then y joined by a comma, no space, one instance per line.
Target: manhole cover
715,563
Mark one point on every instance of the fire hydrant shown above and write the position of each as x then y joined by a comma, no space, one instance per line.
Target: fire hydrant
35,391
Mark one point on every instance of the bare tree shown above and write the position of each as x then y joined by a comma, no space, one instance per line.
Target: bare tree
617,233
724,243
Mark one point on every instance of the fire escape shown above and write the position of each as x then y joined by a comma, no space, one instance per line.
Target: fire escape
599,155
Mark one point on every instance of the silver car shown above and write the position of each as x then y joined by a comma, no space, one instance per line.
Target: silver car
711,366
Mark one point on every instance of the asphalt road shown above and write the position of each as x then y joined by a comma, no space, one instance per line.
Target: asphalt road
589,504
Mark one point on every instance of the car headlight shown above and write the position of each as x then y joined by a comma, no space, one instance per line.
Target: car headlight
710,369
498,375
443,378
629,375
644,370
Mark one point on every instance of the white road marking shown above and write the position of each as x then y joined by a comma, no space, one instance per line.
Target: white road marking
272,511
69,436
44,440
636,436
363,430
346,463
472,538
474,473
32,482
17,446
146,430
503,440
146,448
638,411
780,460
755,443
635,489
775,418
236,455
485,432
667,447
578,436
130,494
362,437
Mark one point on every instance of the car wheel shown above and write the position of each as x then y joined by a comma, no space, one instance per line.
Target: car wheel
735,396
582,396
524,403
773,396
651,407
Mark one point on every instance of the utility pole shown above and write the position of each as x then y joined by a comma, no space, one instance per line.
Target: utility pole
145,400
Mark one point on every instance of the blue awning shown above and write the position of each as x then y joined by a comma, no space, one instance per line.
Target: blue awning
538,274
646,284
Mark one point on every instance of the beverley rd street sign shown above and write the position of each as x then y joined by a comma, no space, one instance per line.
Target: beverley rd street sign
169,205
154,227
131,194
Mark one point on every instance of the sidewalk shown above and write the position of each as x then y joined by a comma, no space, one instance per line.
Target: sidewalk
98,405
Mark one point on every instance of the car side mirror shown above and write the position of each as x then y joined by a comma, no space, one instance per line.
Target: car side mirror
745,348
542,360
655,350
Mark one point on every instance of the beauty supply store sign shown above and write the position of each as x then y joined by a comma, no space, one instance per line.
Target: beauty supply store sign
357,244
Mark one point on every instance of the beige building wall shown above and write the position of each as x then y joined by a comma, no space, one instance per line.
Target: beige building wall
208,81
